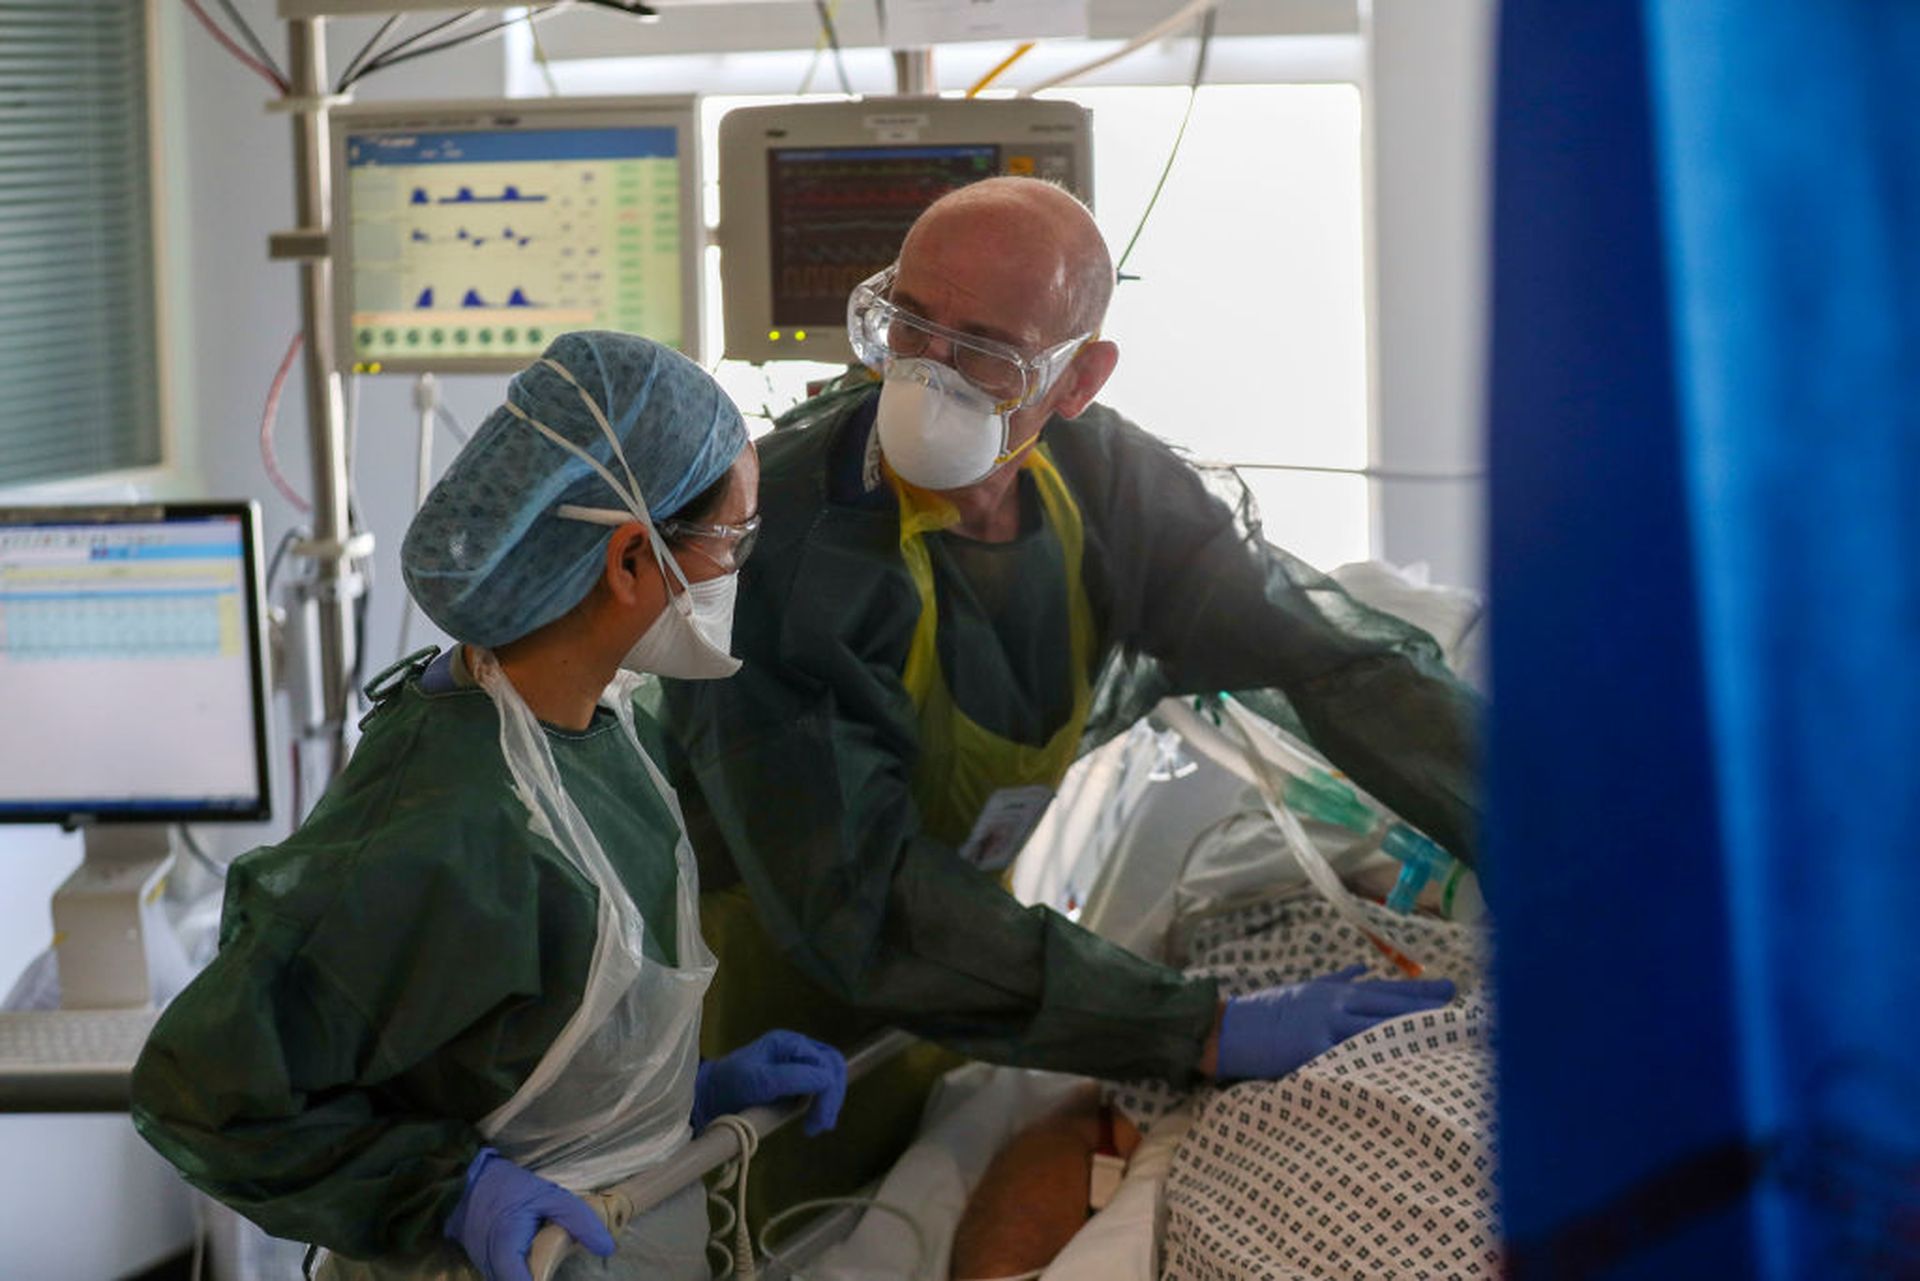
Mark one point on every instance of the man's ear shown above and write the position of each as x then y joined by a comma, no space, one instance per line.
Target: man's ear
627,557
1084,378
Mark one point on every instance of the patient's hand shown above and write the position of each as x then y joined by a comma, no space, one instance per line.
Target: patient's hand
1033,1197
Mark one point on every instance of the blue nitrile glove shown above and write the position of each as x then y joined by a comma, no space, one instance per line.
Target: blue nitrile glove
780,1065
1270,1033
503,1209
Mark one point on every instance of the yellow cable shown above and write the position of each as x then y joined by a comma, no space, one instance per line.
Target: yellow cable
1003,64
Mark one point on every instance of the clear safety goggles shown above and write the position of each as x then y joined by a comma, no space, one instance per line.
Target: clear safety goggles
736,541
882,332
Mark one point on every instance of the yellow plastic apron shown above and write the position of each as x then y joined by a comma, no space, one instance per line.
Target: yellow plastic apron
961,764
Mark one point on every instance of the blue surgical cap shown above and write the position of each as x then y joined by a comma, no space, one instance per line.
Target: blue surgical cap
485,556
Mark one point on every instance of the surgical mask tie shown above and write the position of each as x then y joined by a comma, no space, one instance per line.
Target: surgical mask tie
694,645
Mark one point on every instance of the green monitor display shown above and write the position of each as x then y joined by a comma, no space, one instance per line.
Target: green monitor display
468,236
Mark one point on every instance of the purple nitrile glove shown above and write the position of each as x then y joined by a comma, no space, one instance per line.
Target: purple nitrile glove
1268,1034
502,1210
780,1065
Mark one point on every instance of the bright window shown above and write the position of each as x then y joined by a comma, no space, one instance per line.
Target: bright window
1244,337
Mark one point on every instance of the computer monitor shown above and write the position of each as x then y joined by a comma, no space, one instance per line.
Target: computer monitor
467,236
132,665
133,696
816,197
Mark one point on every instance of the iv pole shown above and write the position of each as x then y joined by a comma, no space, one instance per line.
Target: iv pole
322,603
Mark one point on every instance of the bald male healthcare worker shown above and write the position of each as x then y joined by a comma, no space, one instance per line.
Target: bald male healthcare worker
968,573
468,988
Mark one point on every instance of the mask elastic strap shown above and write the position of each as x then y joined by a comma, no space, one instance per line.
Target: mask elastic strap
1016,451
606,428
635,504
666,560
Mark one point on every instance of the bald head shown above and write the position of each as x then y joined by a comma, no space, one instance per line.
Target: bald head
1033,228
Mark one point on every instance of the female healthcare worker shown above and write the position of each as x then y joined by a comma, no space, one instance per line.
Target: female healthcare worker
469,986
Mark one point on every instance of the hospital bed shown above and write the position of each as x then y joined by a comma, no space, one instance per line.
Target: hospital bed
1154,841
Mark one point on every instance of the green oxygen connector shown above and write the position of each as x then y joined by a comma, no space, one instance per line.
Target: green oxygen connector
1420,861
1325,799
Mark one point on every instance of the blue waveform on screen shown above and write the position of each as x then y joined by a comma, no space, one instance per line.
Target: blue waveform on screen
509,195
426,298
518,298
183,624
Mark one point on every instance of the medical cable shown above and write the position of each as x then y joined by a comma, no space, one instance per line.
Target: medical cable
1173,22
366,50
394,58
734,1175
426,402
833,42
1173,154
1000,68
1314,864
268,415
922,1250
542,61
445,24
280,553
240,24
1370,473
199,854
819,51
452,424
253,64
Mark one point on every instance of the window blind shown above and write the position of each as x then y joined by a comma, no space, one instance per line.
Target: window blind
78,366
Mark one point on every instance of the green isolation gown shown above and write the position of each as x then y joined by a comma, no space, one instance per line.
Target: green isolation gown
393,972
804,774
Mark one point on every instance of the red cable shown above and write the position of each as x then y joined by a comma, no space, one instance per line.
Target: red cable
267,419
252,63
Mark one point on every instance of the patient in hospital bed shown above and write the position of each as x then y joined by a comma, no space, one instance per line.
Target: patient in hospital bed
1374,1160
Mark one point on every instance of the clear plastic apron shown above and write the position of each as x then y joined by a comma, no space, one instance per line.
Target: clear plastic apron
614,1092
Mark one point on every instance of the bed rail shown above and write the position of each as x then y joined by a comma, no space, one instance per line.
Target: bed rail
710,1149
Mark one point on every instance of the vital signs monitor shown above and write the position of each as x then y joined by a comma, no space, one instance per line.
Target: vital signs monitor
467,236
815,197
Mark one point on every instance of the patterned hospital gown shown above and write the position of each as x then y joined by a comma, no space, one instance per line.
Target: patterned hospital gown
1375,1160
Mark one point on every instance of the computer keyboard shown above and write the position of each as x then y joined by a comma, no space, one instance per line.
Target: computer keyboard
72,1040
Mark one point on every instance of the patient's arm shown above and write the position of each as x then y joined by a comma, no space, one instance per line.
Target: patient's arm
1033,1197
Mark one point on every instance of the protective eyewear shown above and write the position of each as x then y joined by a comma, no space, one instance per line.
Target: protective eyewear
882,331
739,538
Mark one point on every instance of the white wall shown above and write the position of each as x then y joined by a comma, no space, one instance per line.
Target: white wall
1430,66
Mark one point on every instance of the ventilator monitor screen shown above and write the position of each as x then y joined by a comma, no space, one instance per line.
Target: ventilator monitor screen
469,237
132,678
816,197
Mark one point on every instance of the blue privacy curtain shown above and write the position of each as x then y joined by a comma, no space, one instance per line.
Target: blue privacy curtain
1704,773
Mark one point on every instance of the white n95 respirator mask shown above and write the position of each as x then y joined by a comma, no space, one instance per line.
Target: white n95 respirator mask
691,638
937,430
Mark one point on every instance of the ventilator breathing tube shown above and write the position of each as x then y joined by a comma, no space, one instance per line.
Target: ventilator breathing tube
1311,791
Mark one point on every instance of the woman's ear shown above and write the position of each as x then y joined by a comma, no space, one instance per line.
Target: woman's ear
628,555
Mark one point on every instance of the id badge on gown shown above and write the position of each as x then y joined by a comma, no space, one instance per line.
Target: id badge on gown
1006,821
